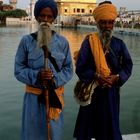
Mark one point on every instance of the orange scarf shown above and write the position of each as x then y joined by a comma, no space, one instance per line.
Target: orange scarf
54,112
98,54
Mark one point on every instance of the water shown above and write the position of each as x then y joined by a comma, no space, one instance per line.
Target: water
12,91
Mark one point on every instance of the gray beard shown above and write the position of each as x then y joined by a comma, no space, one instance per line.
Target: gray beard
105,36
44,35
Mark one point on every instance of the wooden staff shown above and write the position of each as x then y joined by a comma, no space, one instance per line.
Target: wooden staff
46,94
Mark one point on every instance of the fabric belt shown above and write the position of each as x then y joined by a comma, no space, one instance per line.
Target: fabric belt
53,112
30,89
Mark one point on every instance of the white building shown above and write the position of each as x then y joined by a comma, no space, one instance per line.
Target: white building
32,5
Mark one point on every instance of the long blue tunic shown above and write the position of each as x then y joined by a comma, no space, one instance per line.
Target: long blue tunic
100,119
29,60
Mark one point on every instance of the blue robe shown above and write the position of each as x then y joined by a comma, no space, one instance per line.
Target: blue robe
100,119
29,60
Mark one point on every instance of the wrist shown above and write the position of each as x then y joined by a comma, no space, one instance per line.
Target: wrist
117,75
97,75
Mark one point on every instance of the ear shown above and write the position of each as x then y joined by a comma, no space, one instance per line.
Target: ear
38,19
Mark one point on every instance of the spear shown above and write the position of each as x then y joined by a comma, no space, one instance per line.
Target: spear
50,95
46,92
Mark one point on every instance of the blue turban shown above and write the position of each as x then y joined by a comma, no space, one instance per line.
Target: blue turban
41,4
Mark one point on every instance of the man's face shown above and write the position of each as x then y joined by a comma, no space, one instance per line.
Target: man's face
46,15
106,25
105,29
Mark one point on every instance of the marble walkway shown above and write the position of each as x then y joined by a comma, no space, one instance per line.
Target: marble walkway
130,137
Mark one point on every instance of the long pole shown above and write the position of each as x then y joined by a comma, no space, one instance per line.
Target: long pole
45,49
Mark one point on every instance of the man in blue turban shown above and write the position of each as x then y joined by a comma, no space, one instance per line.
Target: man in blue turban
43,63
41,4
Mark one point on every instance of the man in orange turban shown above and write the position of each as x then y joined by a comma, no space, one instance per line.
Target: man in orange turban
104,59
105,11
105,15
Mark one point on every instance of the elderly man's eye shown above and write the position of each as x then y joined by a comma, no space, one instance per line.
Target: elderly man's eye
44,16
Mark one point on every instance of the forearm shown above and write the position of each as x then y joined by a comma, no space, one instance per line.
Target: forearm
62,77
26,75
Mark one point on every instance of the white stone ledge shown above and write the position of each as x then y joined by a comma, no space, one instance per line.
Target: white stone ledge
130,137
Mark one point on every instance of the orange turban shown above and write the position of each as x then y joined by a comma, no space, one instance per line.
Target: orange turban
105,12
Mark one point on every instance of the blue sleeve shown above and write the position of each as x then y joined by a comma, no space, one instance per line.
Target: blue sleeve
85,65
64,62
126,64
22,71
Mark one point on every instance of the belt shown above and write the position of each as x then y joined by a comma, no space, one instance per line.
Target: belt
53,112
36,91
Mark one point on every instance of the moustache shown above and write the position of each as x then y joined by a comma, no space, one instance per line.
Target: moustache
46,25
106,31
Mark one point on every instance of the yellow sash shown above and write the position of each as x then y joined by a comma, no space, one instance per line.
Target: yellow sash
53,112
98,54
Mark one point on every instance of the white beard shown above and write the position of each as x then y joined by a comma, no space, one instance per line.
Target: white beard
44,35
105,36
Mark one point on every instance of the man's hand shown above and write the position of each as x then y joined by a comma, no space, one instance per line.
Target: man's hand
45,76
113,78
106,82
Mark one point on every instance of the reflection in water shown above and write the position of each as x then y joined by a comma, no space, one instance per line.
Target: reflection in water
74,37
11,90
133,43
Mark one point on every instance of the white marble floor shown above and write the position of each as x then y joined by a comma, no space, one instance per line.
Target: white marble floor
130,137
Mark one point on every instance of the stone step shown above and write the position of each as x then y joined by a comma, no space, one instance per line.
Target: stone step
130,137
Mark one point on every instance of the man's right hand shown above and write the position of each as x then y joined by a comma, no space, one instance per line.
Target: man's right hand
103,81
45,74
